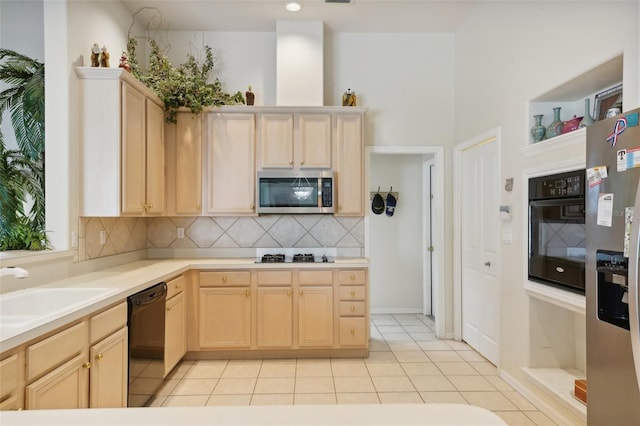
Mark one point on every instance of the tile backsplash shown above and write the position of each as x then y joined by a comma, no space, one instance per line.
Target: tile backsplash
129,234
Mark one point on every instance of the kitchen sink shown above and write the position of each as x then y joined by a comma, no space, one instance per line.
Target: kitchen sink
24,307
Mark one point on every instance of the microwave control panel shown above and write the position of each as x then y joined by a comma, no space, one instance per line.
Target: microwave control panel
327,195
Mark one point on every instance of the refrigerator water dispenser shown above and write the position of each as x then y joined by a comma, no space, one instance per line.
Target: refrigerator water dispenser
613,305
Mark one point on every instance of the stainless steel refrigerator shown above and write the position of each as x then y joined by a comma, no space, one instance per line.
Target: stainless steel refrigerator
613,339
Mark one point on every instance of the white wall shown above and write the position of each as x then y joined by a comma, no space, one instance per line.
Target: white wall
506,54
396,279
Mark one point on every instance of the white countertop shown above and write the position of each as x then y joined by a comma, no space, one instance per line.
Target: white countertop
294,415
133,277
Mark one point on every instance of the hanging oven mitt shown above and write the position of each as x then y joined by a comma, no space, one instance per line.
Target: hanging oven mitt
391,204
377,205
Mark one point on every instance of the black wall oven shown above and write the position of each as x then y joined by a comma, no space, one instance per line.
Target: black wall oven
557,230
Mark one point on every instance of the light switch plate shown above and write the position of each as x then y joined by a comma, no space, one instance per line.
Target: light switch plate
507,236
103,237
180,232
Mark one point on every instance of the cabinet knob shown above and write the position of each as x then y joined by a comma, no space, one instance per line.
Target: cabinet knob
301,292
169,308
487,264
224,279
289,293
352,277
302,163
86,365
252,207
291,163
177,286
99,356
353,332
248,293
353,308
353,293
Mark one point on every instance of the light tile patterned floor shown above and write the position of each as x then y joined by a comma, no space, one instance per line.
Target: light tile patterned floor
407,364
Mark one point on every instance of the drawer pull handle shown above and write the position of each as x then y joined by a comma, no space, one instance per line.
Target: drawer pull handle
353,293
353,332
224,279
177,286
248,293
353,308
353,277
86,365
99,356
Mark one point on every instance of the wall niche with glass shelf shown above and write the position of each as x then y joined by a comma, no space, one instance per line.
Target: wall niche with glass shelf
570,96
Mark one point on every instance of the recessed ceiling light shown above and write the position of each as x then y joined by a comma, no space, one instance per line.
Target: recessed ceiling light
293,6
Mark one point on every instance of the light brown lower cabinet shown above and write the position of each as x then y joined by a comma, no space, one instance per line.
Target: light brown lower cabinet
275,317
175,335
82,365
225,317
315,316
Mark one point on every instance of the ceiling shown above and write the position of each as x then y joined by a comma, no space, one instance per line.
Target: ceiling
261,15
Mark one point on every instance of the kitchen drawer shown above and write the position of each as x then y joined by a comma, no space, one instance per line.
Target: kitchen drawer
10,403
358,276
107,322
9,368
275,277
315,277
352,292
176,285
225,279
352,309
353,332
53,351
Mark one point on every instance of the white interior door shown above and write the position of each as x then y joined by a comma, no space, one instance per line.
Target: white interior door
427,271
479,245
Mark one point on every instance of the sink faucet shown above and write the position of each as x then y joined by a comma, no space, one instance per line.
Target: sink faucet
14,271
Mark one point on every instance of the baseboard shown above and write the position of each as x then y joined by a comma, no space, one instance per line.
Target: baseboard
383,311
538,402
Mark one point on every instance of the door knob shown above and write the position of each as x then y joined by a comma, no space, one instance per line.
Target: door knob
487,264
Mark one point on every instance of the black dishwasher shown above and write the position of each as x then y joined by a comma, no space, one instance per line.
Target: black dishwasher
146,322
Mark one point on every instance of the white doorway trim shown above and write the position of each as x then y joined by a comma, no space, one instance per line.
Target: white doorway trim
488,136
438,280
427,230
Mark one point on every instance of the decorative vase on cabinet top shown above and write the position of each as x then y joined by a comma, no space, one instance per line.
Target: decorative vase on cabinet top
586,120
538,130
555,128
571,125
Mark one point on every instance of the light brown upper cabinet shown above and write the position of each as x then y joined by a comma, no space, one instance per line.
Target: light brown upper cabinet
231,143
294,140
187,164
348,164
122,145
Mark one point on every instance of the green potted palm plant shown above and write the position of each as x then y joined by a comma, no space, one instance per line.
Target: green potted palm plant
22,198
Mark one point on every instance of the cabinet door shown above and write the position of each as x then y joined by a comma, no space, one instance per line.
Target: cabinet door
274,319
315,316
231,164
188,164
133,162
314,141
225,317
276,141
348,167
175,335
65,387
11,382
155,178
109,372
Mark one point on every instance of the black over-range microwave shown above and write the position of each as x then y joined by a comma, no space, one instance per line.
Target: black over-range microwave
557,230
293,192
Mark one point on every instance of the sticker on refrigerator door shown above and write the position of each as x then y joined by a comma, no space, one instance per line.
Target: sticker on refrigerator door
628,221
618,129
605,209
595,175
632,119
627,159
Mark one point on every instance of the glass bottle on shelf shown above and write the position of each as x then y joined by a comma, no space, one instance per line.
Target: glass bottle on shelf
538,130
555,128
586,120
